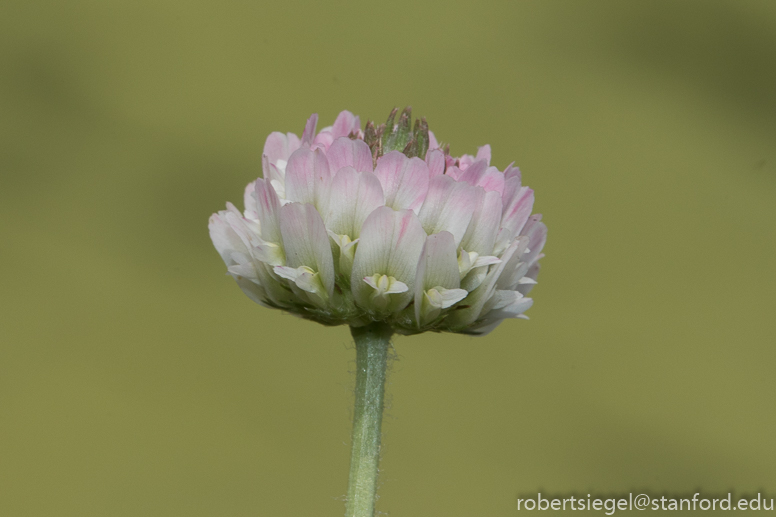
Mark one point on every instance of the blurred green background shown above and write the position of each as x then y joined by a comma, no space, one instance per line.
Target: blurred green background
137,380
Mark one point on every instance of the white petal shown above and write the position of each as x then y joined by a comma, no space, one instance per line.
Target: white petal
224,238
445,298
404,180
536,231
461,318
354,195
306,242
514,217
347,252
437,268
448,207
390,244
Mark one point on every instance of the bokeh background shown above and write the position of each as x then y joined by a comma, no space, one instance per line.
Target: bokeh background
137,380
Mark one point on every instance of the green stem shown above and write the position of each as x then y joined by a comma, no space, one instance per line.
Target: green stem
372,344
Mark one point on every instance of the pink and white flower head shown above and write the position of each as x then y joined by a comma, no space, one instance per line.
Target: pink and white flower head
351,226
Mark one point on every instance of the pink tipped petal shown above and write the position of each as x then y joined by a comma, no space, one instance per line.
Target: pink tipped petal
454,172
345,124
279,146
404,180
481,234
511,190
309,130
390,245
354,195
512,172
435,159
306,241
432,141
307,175
483,153
448,207
465,161
345,152
323,139
268,206
480,175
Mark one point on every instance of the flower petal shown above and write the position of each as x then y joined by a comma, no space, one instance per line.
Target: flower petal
224,238
466,315
435,159
448,207
480,175
481,234
354,195
268,206
345,152
306,242
483,153
390,245
437,267
279,146
514,217
307,176
404,180
345,124
309,130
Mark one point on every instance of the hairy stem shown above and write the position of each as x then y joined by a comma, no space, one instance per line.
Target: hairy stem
372,344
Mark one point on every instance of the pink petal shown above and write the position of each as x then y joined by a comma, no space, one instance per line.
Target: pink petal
448,207
454,172
404,180
465,161
483,153
354,195
323,139
481,234
345,124
432,141
435,159
279,146
307,175
512,172
345,152
268,208
309,130
480,175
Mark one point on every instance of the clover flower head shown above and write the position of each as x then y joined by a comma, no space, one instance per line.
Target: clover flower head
352,226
